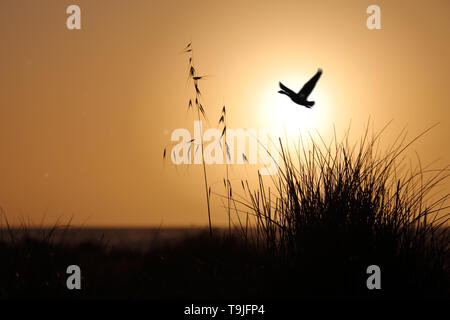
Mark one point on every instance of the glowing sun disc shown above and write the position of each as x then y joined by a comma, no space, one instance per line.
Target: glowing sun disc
283,116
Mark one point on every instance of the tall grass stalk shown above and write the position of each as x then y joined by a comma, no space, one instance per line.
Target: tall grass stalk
200,112
226,155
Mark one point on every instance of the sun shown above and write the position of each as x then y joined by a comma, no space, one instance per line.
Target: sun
286,118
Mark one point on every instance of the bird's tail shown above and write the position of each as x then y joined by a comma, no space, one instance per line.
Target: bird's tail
310,103
283,92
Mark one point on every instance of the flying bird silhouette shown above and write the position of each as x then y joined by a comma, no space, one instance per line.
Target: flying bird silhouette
302,96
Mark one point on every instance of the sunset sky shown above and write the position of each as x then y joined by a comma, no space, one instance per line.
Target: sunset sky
86,114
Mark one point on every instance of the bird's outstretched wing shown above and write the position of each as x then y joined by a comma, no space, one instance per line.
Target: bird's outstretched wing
284,88
309,86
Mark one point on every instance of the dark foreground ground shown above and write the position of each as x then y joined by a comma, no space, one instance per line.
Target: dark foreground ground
196,267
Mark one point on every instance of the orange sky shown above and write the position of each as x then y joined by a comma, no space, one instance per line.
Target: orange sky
85,114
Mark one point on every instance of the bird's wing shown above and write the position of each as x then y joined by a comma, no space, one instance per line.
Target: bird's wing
289,91
309,86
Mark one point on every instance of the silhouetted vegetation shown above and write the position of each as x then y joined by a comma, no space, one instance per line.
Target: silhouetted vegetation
311,230
334,209
222,268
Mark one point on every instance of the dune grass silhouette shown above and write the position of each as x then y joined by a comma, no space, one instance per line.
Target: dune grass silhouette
334,209
311,230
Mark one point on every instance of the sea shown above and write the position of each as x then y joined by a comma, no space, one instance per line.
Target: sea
122,238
